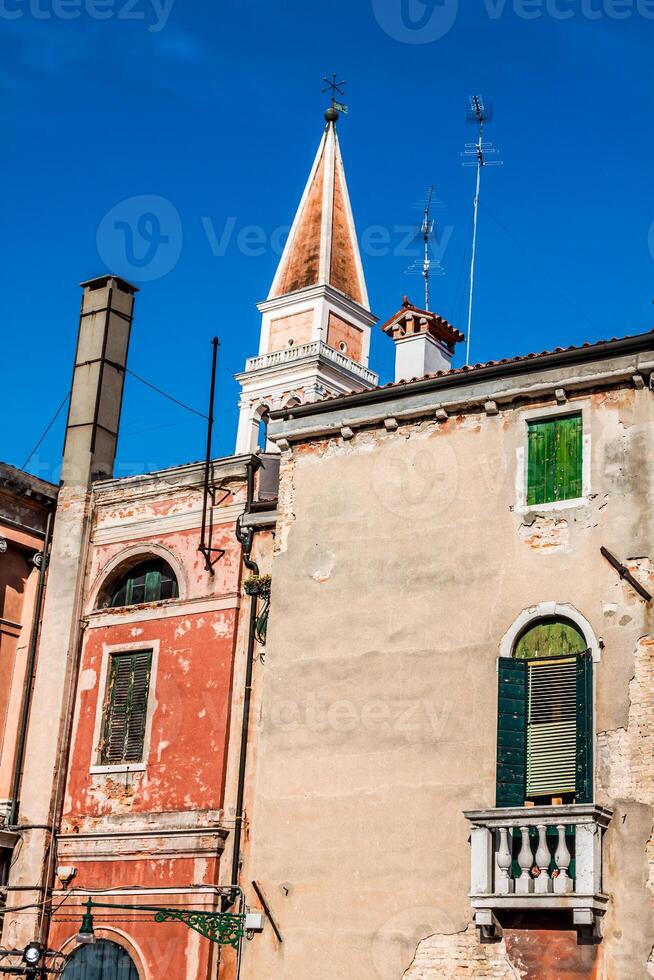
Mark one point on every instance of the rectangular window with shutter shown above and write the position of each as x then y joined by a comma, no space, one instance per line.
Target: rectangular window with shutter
125,708
555,460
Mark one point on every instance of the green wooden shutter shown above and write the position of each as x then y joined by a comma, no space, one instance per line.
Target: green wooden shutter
126,707
569,452
511,732
141,663
551,727
584,788
152,586
536,464
555,460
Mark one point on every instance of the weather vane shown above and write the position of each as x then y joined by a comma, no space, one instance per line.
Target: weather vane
335,87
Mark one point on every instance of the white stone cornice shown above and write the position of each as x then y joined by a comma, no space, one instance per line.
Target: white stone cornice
301,297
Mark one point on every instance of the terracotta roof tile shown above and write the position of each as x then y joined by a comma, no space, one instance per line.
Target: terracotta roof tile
470,369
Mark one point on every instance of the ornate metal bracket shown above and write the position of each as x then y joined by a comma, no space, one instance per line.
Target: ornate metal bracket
220,927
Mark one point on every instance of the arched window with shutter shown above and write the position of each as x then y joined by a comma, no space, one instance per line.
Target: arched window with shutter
545,731
151,580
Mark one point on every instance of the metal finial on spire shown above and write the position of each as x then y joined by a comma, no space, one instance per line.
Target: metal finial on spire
332,113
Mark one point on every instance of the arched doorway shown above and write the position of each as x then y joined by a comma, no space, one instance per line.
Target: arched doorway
102,960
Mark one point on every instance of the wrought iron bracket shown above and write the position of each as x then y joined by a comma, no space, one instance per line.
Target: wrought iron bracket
224,928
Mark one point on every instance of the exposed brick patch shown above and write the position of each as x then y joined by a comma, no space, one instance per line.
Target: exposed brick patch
461,955
625,756
546,534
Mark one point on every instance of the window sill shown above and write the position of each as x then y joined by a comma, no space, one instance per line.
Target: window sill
552,506
156,603
124,768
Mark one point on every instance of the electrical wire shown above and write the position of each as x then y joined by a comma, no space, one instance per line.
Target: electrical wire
46,430
160,391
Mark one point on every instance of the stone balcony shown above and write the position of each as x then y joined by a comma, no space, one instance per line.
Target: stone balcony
531,859
314,349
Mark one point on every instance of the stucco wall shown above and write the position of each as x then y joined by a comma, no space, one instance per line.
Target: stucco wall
402,563
154,832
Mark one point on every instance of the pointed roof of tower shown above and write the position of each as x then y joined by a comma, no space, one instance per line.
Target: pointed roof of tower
322,247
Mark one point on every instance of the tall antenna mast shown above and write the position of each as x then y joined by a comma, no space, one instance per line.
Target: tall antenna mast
427,228
479,113
425,233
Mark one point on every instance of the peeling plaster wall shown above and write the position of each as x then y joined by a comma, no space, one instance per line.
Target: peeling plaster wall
155,834
402,561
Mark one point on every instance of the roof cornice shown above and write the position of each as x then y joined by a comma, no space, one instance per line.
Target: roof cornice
530,376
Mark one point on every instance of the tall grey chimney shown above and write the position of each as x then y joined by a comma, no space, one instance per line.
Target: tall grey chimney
98,377
89,452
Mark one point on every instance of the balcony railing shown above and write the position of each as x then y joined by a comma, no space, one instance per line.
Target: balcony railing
535,858
313,349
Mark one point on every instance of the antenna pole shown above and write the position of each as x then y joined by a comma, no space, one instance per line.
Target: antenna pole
427,226
478,113
205,547
474,251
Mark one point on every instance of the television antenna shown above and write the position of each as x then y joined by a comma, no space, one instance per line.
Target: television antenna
476,155
426,268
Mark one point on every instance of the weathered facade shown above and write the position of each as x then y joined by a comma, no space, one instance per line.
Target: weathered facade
408,563
129,794
154,831
429,754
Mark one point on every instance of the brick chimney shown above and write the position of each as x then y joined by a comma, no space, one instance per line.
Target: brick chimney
424,342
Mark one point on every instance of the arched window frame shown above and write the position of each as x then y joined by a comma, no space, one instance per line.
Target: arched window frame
550,610
112,935
121,563
530,617
293,400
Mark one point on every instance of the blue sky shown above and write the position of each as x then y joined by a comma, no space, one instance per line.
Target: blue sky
216,108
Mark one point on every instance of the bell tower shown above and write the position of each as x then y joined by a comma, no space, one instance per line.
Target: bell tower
316,321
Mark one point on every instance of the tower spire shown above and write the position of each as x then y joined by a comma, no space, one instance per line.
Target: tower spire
316,320
322,248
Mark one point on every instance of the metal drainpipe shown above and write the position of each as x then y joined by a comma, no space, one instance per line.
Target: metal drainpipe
245,538
29,681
